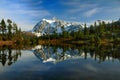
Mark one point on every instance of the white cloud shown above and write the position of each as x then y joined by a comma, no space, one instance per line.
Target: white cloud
117,9
92,12
25,26
77,5
73,18
74,10
24,13
34,13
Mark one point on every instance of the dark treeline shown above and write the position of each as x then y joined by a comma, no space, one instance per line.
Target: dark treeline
99,32
9,31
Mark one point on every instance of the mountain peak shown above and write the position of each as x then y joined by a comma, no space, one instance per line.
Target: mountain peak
48,20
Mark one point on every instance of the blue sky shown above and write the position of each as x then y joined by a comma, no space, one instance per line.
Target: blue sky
26,13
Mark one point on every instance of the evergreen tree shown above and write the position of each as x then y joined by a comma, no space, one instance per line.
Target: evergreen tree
63,31
15,29
86,30
102,27
0,28
55,35
79,33
9,21
92,30
96,28
3,26
9,28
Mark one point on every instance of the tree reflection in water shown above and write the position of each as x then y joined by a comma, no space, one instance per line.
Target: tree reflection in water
100,53
8,56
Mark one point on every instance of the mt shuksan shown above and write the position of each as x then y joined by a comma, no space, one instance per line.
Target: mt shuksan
54,25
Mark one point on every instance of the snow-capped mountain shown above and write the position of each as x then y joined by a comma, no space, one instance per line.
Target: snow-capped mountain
50,26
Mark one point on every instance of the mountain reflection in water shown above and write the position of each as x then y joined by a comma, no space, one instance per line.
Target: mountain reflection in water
57,54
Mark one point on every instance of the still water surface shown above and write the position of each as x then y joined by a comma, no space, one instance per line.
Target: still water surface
60,63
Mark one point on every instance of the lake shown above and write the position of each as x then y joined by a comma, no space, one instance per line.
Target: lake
82,62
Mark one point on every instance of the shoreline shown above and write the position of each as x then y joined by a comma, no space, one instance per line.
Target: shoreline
7,43
74,42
